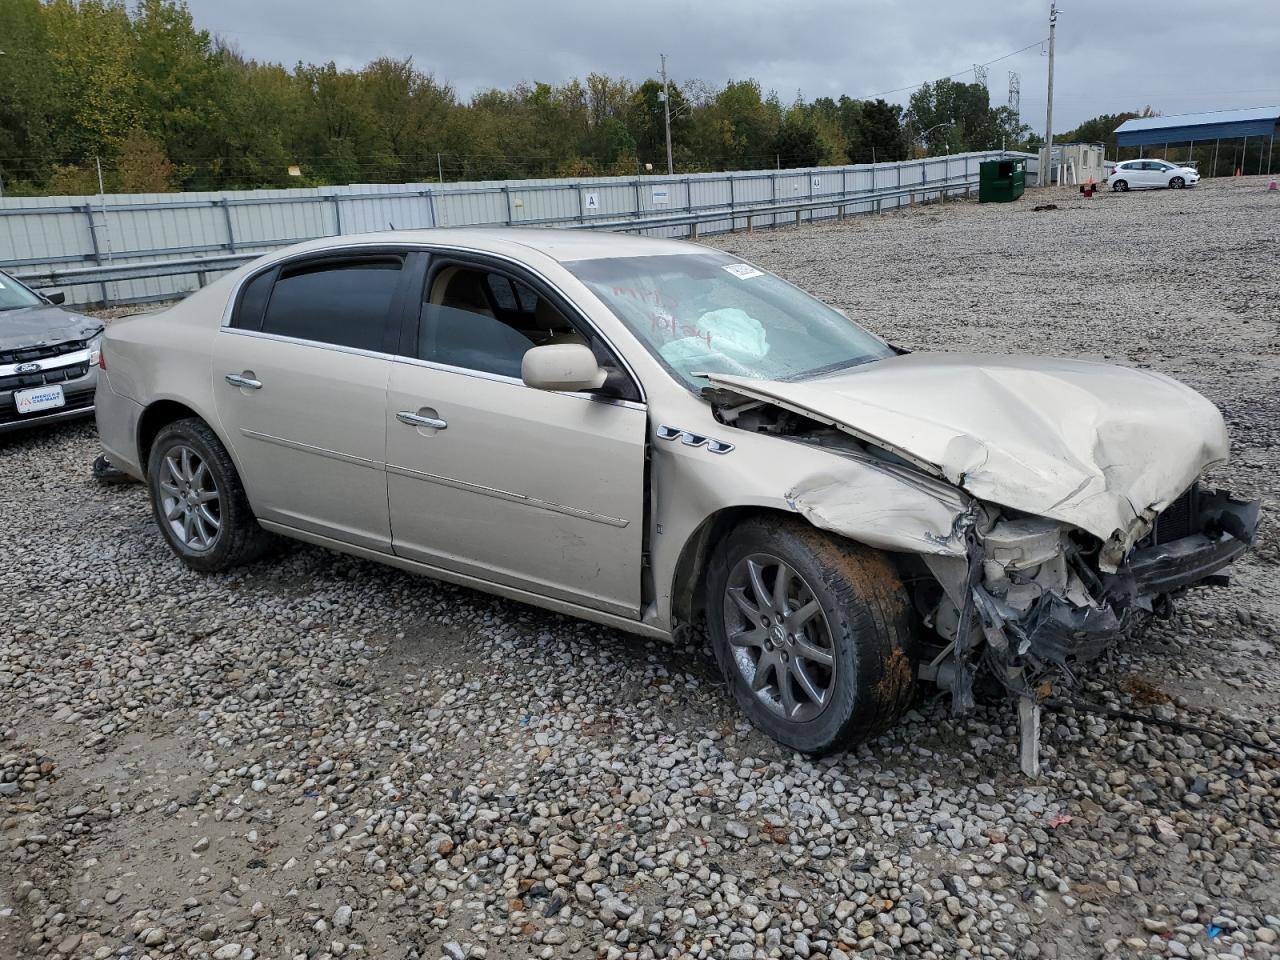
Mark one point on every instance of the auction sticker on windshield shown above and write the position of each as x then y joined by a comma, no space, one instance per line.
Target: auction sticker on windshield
743,271
39,398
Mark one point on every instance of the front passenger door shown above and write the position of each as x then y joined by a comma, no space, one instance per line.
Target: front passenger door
530,489
1150,174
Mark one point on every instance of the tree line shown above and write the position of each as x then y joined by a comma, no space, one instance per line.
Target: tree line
154,104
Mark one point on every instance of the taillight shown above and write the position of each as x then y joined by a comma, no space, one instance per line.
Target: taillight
102,359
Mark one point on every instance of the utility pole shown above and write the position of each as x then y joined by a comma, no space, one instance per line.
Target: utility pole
1046,170
666,112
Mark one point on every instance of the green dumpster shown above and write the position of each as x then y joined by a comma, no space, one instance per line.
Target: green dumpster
1001,181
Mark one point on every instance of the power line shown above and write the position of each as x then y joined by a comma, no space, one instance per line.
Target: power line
958,73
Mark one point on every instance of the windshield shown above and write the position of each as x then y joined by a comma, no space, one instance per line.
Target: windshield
14,296
709,312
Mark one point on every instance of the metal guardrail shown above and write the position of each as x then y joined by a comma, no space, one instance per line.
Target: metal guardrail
201,267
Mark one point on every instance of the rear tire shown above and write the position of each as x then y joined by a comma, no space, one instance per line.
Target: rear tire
839,627
1121,185
1177,183
198,501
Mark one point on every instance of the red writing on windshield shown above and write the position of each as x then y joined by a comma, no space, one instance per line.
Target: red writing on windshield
669,327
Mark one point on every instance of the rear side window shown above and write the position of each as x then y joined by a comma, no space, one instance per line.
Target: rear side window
345,303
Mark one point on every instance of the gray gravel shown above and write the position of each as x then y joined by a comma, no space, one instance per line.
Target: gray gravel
319,757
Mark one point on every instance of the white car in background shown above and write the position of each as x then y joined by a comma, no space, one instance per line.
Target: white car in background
1135,174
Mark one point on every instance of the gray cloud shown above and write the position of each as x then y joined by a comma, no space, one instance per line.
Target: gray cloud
1178,56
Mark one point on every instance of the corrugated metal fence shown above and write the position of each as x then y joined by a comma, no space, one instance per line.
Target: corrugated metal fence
56,233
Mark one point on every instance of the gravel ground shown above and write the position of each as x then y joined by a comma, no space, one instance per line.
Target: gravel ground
319,757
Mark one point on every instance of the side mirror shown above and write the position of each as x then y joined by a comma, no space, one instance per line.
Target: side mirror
561,366
56,298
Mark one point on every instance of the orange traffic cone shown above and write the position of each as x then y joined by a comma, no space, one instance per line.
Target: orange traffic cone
1238,171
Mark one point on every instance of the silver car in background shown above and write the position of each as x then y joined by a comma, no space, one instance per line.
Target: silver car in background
659,437
48,358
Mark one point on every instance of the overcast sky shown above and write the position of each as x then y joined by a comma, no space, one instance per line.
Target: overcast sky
1179,56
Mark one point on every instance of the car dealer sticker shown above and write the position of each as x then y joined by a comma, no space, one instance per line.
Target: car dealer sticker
39,398
743,271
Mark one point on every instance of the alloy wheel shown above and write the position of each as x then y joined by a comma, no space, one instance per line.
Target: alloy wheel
189,498
780,638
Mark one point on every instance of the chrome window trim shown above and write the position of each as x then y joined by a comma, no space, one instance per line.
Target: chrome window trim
365,246
429,364
358,247
314,344
48,363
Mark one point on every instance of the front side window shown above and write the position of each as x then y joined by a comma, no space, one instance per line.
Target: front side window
14,296
345,302
709,312
481,320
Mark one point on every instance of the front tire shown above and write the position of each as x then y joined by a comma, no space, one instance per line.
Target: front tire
1177,183
1121,185
198,501
812,633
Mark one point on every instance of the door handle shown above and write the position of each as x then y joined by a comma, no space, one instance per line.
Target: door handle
413,420
236,380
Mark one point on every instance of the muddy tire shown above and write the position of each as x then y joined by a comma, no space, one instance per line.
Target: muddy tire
821,660
198,501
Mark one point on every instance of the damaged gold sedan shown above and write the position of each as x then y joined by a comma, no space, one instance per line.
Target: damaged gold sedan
656,436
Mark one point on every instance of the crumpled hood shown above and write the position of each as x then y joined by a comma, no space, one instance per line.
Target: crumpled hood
1090,444
41,326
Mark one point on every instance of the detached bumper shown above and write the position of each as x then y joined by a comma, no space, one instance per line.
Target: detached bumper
1227,529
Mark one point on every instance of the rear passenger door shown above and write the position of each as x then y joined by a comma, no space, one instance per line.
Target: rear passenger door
300,380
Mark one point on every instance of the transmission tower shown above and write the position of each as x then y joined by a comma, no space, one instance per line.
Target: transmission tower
1015,93
979,74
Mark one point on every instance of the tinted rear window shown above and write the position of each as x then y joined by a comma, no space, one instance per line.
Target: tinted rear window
344,303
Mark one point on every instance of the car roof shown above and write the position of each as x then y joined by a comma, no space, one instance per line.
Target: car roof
564,245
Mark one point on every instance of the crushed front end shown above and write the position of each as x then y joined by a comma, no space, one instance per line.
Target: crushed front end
1038,598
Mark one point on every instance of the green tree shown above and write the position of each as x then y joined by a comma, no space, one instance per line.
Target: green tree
178,82
645,119
797,144
31,118
878,136
92,49
736,127
164,105
142,166
955,116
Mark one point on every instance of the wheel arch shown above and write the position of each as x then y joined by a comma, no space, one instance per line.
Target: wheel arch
160,413
691,567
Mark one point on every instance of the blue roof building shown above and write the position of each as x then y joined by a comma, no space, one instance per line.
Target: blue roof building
1186,127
